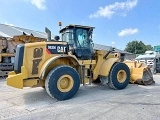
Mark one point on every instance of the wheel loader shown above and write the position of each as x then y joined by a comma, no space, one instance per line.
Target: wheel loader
61,66
7,50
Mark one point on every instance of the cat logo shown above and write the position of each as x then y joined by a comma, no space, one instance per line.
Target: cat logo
56,49
61,49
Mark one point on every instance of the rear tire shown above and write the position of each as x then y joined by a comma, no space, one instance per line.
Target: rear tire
62,82
119,76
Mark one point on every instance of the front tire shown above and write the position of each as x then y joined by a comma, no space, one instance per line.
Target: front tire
62,82
119,76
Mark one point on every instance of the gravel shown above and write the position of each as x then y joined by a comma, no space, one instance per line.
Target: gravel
92,102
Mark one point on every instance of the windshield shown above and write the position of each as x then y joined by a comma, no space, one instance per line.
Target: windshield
82,37
78,37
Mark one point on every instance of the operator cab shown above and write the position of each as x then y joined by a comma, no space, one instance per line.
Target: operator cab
79,39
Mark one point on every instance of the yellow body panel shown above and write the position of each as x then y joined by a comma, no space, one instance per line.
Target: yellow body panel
29,59
55,61
16,80
87,62
106,66
29,56
103,66
100,61
30,83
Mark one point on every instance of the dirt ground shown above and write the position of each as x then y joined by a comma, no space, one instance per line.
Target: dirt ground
96,102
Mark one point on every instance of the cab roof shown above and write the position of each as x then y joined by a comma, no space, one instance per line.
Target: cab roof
75,26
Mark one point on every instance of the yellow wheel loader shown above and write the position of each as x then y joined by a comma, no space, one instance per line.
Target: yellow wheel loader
61,66
7,50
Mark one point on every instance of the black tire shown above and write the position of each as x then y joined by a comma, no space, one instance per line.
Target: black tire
53,87
113,80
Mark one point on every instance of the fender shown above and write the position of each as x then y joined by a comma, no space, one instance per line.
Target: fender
107,65
51,60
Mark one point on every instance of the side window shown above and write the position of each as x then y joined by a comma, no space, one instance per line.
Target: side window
67,37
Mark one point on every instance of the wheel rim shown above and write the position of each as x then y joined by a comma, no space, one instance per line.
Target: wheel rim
65,83
121,76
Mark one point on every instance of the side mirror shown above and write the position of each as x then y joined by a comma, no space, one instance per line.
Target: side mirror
56,38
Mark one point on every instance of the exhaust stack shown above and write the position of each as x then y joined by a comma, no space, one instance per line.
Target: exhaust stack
48,34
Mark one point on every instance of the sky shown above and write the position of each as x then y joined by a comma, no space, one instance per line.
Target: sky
116,22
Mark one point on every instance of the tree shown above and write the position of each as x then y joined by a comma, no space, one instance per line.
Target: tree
149,47
137,47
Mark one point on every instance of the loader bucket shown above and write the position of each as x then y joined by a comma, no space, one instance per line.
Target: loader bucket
140,73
